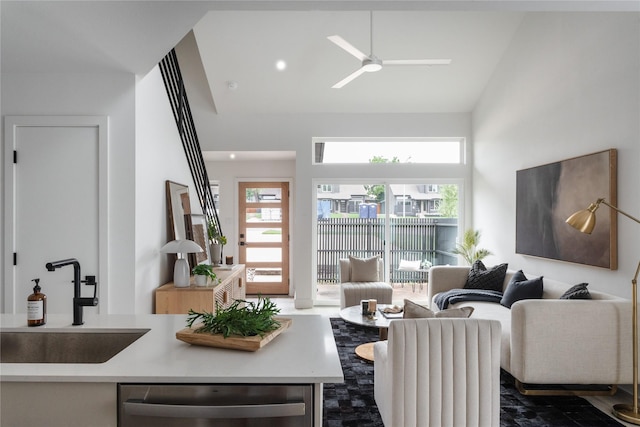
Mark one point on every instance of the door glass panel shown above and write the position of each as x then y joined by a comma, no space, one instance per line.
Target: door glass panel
263,195
271,234
351,221
264,214
260,274
264,255
424,226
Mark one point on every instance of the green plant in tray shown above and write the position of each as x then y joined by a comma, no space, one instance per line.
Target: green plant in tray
255,318
205,270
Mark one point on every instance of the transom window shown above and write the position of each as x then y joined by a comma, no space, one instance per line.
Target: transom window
376,150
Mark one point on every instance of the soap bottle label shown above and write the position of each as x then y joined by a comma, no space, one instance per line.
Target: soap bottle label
35,310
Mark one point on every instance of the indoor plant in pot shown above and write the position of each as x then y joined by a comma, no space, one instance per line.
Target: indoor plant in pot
468,249
202,273
216,241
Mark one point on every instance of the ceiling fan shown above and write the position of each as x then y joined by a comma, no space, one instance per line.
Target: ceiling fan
371,63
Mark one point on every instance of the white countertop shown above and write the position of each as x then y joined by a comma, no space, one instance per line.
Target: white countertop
303,353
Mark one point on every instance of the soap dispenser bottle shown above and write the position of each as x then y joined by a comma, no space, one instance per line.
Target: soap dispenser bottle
36,306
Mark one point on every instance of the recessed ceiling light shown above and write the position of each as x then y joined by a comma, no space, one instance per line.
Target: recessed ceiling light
281,65
232,156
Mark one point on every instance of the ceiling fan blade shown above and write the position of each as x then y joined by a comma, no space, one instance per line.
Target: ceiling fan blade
348,47
348,78
416,62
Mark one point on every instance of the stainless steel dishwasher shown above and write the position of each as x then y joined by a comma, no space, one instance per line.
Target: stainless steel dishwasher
185,405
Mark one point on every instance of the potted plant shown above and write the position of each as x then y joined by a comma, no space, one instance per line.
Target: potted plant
216,241
468,249
202,272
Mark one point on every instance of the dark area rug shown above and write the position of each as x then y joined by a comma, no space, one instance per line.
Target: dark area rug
352,403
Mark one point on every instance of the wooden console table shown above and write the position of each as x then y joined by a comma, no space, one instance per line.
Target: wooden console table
172,300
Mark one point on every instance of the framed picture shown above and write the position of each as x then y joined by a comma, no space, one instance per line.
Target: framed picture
547,195
197,231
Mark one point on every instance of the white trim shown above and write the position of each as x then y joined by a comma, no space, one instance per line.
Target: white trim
11,125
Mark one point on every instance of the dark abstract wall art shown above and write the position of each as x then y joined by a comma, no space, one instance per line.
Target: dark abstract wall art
547,195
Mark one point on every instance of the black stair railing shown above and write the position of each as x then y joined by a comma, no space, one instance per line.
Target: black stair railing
177,94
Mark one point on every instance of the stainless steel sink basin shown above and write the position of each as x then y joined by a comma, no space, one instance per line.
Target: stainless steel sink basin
62,346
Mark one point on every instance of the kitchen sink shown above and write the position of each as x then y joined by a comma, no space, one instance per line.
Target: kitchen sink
62,346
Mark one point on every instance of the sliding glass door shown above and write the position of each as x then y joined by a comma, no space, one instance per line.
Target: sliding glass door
415,222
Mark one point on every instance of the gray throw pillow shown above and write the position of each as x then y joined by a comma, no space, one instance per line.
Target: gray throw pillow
578,291
364,269
481,278
417,311
455,312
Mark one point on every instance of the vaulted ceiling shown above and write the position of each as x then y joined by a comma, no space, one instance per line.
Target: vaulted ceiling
240,49
240,42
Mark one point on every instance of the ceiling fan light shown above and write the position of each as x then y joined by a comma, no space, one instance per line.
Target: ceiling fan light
372,68
371,65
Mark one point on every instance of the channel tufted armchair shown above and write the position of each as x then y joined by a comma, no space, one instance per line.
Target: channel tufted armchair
441,372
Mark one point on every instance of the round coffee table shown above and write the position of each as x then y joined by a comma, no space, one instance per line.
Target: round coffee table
354,315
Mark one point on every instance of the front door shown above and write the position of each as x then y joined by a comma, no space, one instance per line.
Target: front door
264,236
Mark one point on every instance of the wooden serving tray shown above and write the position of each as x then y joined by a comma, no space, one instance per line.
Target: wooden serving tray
235,342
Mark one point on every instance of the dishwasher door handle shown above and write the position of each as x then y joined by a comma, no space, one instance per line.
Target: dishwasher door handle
140,408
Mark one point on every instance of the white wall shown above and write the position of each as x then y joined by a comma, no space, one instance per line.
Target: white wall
144,152
568,85
92,94
159,157
295,133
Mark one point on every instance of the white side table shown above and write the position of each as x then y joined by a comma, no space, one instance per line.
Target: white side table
354,315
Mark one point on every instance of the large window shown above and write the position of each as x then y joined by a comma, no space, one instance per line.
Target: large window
375,150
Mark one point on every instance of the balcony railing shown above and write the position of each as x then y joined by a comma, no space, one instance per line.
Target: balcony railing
424,239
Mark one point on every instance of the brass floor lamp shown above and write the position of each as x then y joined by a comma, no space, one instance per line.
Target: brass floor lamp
585,221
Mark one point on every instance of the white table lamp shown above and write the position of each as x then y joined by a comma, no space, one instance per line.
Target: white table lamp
181,272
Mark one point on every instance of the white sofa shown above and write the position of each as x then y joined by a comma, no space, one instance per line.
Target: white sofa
554,341
439,372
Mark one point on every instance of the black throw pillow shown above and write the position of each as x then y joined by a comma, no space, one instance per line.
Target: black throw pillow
522,289
578,291
481,278
518,276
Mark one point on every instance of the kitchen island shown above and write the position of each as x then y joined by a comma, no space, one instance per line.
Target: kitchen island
48,393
